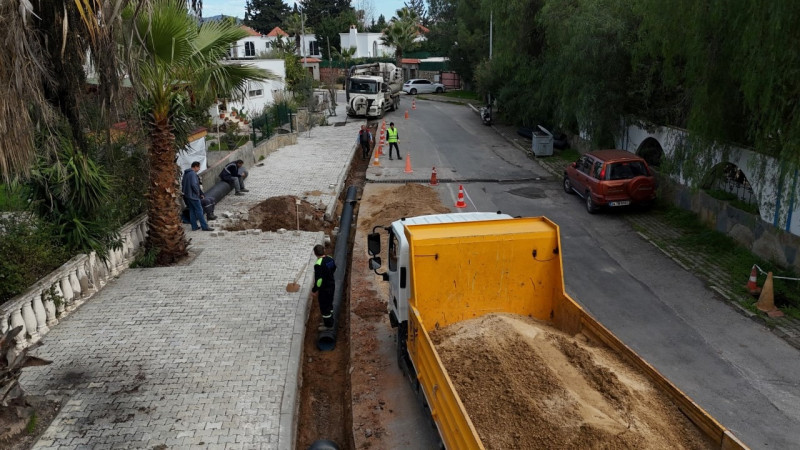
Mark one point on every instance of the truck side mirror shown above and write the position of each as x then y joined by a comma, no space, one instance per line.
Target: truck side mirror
374,244
375,263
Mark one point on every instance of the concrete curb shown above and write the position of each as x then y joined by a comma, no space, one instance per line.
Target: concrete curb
339,186
290,403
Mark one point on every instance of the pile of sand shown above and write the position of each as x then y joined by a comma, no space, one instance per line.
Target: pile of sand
393,202
527,385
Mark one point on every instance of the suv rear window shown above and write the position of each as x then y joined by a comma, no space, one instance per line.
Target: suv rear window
626,170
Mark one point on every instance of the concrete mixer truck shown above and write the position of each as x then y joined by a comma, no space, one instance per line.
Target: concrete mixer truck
373,89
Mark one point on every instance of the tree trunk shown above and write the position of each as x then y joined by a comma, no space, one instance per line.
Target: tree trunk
165,229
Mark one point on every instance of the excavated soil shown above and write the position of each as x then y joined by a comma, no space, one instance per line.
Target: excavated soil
396,202
527,385
17,430
275,213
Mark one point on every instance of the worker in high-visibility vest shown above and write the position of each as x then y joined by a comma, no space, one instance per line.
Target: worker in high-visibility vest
392,138
324,285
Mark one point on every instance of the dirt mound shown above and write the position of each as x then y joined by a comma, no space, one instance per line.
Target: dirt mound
282,212
396,202
527,385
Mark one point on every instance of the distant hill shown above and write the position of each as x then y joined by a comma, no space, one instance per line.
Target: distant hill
220,17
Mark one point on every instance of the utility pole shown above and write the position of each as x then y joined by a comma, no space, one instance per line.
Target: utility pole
302,36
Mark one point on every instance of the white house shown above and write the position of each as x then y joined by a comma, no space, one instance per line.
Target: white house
366,44
259,93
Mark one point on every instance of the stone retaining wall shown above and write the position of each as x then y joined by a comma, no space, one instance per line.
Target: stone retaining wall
749,230
247,153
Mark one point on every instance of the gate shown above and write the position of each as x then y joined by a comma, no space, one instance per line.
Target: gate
450,80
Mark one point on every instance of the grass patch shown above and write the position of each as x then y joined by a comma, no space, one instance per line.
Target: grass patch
470,95
734,201
735,260
31,426
145,259
13,197
568,154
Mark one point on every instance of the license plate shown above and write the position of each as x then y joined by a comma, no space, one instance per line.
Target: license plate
622,203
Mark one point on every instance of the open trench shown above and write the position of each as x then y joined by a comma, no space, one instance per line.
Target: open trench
325,392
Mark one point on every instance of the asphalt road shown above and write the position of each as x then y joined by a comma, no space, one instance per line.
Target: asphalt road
742,374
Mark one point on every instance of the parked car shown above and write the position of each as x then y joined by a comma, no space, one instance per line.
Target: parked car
419,86
610,178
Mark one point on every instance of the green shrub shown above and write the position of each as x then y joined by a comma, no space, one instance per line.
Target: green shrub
30,250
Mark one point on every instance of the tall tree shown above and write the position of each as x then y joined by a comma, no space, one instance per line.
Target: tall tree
175,58
264,15
296,26
418,6
401,32
317,10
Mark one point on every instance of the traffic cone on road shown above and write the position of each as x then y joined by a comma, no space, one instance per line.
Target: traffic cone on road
752,285
434,180
408,163
461,203
406,114
766,301
414,104
380,150
376,161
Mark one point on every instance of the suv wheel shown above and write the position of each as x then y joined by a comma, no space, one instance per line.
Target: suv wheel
567,185
413,92
591,208
439,90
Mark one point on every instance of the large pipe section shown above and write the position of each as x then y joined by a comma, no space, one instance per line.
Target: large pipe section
326,340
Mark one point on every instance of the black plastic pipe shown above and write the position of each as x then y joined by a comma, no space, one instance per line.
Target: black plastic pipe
219,191
326,340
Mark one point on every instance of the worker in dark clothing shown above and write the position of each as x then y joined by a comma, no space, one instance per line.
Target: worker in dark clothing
324,285
192,196
365,140
234,175
392,138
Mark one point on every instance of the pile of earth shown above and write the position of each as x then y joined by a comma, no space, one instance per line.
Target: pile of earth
275,213
408,200
526,384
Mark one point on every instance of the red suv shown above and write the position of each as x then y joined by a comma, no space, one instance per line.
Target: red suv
610,178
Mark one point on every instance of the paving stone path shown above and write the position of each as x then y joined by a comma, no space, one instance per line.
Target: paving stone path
204,354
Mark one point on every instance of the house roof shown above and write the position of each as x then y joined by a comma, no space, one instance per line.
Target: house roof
277,32
250,31
311,60
409,61
423,30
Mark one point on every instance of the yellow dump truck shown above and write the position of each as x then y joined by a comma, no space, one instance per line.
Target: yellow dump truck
449,268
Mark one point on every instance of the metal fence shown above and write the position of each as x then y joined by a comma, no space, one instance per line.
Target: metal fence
275,118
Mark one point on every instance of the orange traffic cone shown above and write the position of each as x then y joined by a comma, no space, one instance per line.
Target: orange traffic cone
408,164
766,301
406,114
434,180
752,285
414,104
380,150
376,161
461,203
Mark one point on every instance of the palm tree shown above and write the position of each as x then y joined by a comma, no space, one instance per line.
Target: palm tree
174,57
400,34
293,25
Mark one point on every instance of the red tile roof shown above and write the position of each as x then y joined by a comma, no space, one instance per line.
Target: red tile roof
250,31
423,30
311,60
409,61
277,32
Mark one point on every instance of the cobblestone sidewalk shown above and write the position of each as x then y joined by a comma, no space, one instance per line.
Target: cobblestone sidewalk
204,354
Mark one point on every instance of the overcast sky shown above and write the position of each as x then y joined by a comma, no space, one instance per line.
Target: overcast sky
236,7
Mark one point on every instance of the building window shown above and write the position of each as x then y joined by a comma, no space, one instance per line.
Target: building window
249,49
374,48
255,93
313,48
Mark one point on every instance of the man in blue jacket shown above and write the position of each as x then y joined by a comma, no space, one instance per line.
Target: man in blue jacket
190,186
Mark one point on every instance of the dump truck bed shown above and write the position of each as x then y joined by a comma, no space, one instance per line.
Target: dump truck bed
461,271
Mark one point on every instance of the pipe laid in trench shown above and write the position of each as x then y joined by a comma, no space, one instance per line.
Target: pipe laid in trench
326,340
